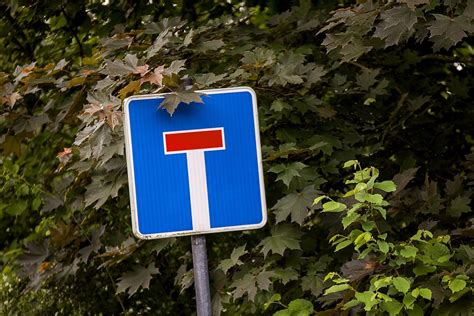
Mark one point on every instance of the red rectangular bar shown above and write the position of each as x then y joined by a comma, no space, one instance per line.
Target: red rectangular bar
192,140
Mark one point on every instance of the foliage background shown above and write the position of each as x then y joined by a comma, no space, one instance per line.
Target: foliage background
385,82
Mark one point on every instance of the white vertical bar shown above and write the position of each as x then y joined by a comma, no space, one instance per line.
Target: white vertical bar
198,190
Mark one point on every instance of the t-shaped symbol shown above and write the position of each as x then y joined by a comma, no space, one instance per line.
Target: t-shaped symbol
194,143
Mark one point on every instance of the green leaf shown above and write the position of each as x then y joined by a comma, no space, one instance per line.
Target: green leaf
333,206
426,293
234,260
422,269
350,163
387,186
409,301
374,198
352,303
362,239
288,172
342,245
17,208
300,307
408,251
368,298
415,311
401,284
312,283
383,246
383,282
448,31
349,219
296,204
282,237
397,24
457,285
319,199
337,288
131,281
393,307
459,205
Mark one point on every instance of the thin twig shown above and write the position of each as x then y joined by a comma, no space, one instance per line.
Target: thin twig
73,31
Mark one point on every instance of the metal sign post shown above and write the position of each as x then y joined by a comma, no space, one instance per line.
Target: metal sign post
201,276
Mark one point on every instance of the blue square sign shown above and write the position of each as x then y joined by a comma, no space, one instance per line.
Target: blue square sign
198,171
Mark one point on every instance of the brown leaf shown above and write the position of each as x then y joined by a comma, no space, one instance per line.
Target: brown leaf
402,179
356,270
154,77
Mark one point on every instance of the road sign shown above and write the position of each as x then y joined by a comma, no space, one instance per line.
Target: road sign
198,171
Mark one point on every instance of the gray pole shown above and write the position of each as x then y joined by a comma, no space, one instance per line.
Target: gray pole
201,276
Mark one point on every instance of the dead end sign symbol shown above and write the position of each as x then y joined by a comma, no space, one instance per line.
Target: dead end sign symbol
194,143
199,171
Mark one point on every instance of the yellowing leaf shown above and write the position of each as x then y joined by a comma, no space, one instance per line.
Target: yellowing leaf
78,81
131,88
457,285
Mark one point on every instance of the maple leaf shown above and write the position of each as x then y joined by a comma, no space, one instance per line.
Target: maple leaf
251,282
234,260
446,32
296,204
459,205
117,41
259,57
286,173
154,77
172,100
412,4
402,179
160,41
209,78
313,283
95,245
282,237
211,45
140,276
7,96
36,254
397,23
175,67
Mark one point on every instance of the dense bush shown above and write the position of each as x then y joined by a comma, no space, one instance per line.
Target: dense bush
387,83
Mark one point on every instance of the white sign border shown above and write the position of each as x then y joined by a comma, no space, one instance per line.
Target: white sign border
131,175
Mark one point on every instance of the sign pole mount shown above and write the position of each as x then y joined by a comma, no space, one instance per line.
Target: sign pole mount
201,276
